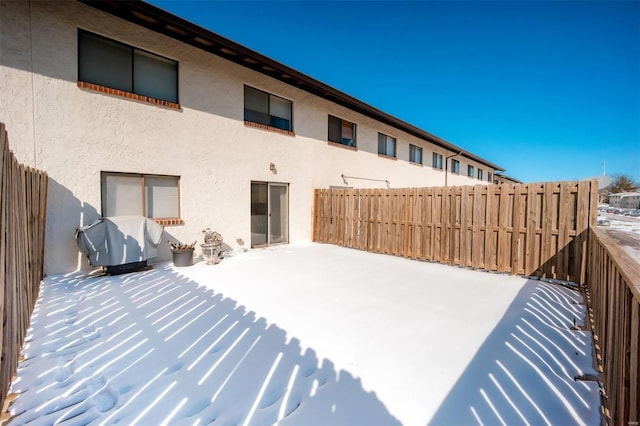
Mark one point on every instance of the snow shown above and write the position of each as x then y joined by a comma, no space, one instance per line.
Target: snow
306,334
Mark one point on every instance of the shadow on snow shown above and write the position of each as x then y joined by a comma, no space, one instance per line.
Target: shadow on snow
157,348
525,371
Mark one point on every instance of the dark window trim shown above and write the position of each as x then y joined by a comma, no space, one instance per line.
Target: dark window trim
434,163
471,172
415,147
269,108
161,220
354,129
453,169
395,146
133,50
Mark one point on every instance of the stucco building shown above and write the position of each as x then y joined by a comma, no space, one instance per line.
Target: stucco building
132,110
500,178
625,200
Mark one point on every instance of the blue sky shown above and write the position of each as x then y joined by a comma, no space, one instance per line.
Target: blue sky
547,90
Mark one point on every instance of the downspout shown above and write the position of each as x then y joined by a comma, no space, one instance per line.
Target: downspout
33,91
446,166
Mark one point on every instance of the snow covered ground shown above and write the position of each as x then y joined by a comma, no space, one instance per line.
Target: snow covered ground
303,335
621,223
625,231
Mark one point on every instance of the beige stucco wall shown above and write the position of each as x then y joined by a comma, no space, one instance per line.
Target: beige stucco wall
74,134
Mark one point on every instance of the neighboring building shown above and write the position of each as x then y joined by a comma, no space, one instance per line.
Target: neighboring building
134,111
502,178
625,200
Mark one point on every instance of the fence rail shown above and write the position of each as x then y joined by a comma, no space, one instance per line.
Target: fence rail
614,290
530,229
23,195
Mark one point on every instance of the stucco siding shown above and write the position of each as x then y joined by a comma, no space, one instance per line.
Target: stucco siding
74,133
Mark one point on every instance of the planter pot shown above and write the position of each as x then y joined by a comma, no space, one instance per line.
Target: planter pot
183,257
210,253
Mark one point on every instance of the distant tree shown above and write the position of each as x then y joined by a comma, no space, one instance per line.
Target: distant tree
622,183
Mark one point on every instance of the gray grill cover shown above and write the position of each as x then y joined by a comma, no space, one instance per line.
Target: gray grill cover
118,240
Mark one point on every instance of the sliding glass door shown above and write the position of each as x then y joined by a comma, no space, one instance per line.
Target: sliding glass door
269,213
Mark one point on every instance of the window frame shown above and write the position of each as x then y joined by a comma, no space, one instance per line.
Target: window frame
489,177
161,220
455,166
412,150
387,139
354,129
269,95
470,171
436,161
480,174
132,51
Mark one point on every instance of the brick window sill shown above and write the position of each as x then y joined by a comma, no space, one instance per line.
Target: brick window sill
339,145
437,169
388,157
169,222
416,164
268,128
128,95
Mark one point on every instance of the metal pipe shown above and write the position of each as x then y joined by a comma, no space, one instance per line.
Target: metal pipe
446,166
345,177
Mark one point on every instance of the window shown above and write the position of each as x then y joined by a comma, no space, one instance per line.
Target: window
470,171
455,166
115,65
415,154
386,145
265,108
437,161
152,196
480,174
342,131
489,177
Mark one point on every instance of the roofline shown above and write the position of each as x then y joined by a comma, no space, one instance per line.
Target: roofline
163,22
508,177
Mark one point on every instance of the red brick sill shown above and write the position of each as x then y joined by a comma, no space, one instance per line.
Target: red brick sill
388,157
268,128
339,145
416,164
128,95
169,222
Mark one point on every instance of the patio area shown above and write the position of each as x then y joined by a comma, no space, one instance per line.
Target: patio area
306,334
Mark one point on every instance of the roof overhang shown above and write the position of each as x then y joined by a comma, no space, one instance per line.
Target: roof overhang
163,22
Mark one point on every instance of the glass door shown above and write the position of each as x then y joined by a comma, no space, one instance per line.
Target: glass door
278,213
269,213
259,214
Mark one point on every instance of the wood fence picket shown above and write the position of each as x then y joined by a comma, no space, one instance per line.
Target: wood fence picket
23,198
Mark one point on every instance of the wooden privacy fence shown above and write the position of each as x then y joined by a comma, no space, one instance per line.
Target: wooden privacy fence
614,298
23,195
527,229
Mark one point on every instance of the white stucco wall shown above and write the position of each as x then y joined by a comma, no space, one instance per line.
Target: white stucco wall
74,133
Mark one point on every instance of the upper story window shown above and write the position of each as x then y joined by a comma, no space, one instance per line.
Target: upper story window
480,174
342,131
115,65
265,108
129,194
455,166
470,171
437,161
489,177
386,145
415,154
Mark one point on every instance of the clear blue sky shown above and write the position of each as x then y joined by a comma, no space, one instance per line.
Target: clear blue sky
547,90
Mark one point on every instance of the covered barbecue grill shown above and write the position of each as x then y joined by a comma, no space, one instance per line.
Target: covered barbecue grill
120,243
